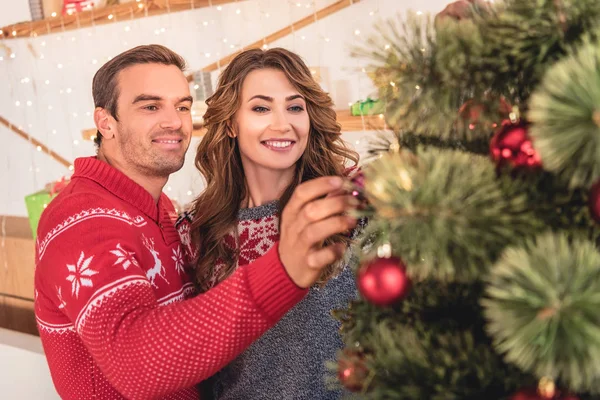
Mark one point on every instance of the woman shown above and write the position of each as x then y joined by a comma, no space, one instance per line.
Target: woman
270,126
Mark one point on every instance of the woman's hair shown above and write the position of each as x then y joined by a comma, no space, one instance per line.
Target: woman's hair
218,157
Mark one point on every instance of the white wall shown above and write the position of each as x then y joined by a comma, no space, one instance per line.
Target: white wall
13,11
24,372
50,76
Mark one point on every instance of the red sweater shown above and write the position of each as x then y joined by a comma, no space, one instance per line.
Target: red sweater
109,285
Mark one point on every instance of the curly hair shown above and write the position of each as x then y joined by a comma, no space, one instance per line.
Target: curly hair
218,157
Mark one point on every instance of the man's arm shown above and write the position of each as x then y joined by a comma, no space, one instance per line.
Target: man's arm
143,349
146,350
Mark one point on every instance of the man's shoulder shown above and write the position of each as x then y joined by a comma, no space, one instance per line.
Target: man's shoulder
82,201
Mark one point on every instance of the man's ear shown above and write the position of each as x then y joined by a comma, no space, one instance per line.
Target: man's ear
103,121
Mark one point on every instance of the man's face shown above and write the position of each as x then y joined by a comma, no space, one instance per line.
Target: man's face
154,121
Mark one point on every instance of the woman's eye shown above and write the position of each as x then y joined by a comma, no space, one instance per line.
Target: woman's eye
260,109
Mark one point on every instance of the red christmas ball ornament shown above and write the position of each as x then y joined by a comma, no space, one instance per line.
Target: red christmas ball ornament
383,281
357,179
546,390
470,112
460,10
352,370
533,394
512,146
594,201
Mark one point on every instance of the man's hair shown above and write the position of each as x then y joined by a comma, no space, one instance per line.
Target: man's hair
105,88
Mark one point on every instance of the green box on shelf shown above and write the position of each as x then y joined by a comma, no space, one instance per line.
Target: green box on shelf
36,204
367,107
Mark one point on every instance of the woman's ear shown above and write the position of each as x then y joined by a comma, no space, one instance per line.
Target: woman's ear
231,130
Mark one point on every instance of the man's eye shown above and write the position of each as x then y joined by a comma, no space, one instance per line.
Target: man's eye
151,108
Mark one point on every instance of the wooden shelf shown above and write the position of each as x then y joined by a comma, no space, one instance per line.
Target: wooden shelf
104,15
349,123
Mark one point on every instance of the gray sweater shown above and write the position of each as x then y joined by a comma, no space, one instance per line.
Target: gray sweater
288,361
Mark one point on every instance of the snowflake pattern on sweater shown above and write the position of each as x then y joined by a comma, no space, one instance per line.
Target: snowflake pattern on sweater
110,282
289,361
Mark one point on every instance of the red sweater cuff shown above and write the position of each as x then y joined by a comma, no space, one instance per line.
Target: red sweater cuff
271,287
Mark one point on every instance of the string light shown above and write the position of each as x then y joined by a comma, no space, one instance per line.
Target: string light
59,66
29,103
357,32
219,8
110,16
53,14
12,55
238,11
189,193
39,148
17,103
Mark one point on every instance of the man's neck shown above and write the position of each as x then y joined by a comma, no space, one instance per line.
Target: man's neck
153,185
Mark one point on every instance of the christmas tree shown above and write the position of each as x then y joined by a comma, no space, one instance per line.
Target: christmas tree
479,269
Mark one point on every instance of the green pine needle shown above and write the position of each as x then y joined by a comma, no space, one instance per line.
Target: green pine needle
565,111
446,213
542,303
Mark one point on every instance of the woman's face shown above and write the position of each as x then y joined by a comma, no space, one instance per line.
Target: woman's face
272,122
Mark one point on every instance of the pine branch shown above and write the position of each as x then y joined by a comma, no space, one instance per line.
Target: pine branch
445,212
543,301
433,343
565,112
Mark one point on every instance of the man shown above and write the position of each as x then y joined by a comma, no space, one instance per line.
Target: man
112,296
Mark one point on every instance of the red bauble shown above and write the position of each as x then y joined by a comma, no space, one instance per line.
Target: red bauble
533,394
594,201
471,111
357,178
352,370
460,10
512,146
383,281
